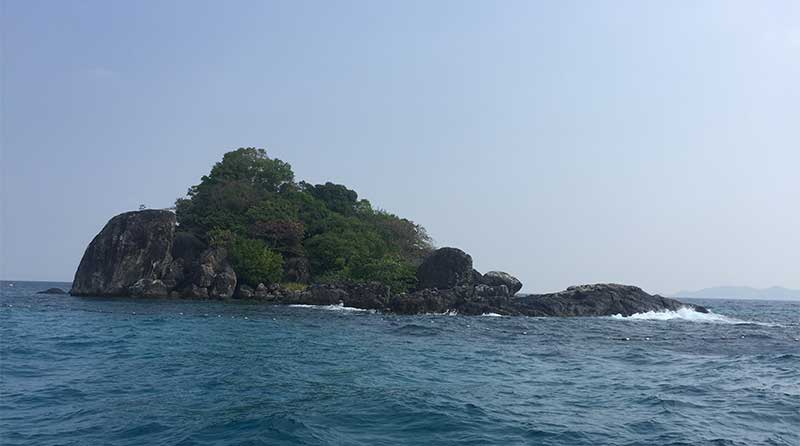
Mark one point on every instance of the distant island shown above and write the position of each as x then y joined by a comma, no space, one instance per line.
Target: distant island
249,231
741,292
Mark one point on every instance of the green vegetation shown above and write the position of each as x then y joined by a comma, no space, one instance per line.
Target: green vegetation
294,286
251,205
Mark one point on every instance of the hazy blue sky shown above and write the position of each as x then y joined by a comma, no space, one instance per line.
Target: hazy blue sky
647,142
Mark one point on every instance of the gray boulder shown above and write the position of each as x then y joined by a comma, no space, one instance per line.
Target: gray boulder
132,246
497,278
261,291
213,273
244,292
445,268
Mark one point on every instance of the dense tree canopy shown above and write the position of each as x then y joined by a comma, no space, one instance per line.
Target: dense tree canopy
251,204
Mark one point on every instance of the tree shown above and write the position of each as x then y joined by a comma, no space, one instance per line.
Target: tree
336,197
243,178
407,239
250,204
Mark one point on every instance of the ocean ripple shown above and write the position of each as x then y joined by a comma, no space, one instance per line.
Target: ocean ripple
131,372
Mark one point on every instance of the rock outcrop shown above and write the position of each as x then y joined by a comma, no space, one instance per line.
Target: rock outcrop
131,247
497,278
139,254
604,299
446,268
584,300
213,275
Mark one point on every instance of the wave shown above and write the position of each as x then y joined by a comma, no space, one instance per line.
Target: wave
492,315
338,307
688,314
446,313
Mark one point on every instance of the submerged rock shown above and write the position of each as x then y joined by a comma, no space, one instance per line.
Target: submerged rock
52,291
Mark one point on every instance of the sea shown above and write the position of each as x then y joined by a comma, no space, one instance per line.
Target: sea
100,371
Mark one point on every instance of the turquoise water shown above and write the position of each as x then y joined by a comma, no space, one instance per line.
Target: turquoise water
138,372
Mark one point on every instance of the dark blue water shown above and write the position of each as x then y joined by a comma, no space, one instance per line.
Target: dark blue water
132,372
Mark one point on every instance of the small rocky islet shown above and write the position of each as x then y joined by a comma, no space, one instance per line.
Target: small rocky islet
177,254
137,254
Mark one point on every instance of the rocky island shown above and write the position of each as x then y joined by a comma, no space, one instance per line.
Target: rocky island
249,231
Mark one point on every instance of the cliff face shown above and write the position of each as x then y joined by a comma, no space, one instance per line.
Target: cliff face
139,254
132,246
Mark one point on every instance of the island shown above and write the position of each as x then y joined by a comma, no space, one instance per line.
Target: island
249,231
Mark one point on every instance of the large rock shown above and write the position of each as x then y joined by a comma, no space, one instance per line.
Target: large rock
132,246
445,268
497,278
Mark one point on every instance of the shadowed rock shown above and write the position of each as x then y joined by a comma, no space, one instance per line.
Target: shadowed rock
446,268
131,247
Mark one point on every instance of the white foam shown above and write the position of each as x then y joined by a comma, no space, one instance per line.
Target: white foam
492,315
339,307
446,313
686,314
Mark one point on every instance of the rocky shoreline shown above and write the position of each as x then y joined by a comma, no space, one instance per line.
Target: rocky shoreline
143,254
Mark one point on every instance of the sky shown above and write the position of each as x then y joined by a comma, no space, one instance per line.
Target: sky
640,142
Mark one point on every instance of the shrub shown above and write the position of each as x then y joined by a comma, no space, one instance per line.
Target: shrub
254,263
